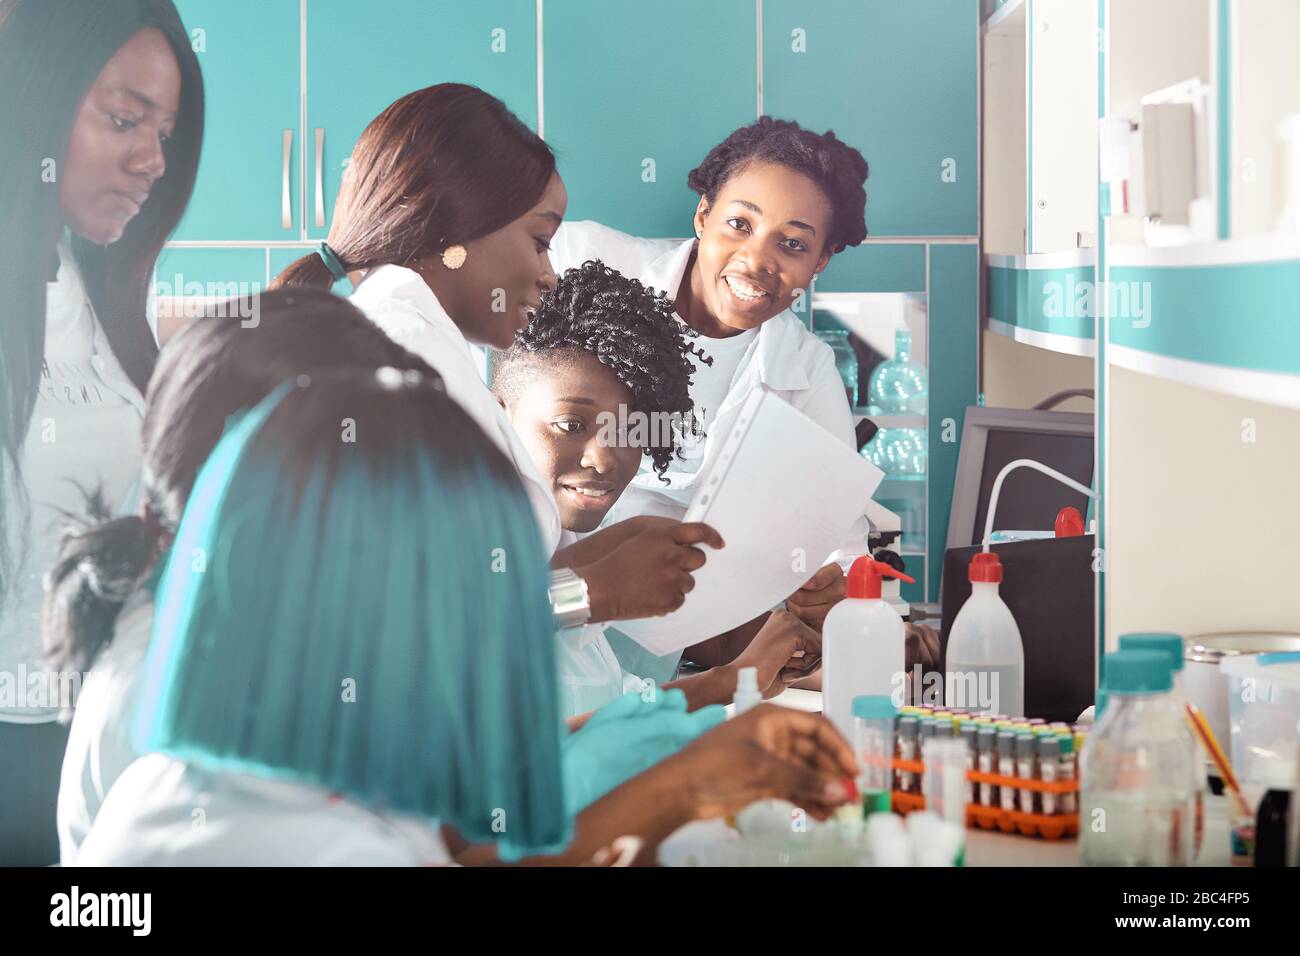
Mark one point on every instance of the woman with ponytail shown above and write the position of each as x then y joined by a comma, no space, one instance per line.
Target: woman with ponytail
99,608
101,121
444,224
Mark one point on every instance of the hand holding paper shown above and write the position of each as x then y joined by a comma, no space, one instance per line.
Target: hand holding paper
783,493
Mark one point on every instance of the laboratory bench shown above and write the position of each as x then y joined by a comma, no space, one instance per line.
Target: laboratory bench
984,848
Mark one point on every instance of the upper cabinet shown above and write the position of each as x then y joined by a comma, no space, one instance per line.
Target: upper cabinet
636,94
1040,127
291,84
359,62
882,75
248,179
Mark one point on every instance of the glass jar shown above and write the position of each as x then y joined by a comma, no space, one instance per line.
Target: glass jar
846,360
900,386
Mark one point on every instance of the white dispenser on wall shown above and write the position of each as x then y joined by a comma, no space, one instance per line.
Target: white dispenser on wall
863,643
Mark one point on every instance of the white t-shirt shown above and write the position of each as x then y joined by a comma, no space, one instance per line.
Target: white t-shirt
84,433
710,385
165,812
405,308
99,742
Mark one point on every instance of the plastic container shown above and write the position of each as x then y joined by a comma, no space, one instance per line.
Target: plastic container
862,645
1137,801
1264,716
873,743
985,661
943,784
747,694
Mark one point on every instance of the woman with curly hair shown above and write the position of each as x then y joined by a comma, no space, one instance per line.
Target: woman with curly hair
598,382
776,202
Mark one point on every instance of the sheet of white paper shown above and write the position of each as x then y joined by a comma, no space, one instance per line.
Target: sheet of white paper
783,493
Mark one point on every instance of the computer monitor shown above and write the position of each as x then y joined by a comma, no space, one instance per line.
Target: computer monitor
994,437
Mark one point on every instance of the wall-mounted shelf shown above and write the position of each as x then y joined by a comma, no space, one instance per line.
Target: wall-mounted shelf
1218,316
1044,300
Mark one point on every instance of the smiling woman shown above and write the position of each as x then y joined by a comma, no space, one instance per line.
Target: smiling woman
102,116
776,202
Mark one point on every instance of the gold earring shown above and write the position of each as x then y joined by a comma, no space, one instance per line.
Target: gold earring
453,257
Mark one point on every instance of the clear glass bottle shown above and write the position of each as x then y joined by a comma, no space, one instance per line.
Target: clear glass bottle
900,386
1137,803
899,452
846,360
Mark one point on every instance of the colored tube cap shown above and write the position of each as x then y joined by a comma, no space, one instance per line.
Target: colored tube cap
872,707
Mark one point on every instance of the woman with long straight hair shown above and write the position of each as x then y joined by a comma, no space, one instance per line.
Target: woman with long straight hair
99,607
101,122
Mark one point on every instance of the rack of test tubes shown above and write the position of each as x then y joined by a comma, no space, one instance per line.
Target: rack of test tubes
1022,775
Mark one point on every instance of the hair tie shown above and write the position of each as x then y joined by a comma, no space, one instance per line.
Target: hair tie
332,262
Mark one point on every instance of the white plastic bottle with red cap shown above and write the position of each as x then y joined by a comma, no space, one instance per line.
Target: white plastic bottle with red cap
984,667
863,644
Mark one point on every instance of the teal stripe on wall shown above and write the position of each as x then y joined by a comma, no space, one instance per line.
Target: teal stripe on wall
875,268
1240,315
1044,300
954,326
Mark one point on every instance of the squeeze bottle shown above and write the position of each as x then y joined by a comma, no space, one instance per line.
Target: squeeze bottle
984,668
863,644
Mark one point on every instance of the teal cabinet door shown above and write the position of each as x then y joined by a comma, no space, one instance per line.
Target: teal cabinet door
897,80
248,181
363,56
636,94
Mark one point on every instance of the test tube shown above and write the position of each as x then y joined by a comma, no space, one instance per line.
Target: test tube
987,751
943,727
968,734
1025,768
1049,763
945,776
907,737
1065,767
873,731
1007,766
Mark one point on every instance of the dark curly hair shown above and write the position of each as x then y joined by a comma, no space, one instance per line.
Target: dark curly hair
836,167
628,328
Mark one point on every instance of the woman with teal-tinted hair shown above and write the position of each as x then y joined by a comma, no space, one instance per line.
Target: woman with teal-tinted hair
354,645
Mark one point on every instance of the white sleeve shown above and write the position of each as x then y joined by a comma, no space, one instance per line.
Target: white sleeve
576,242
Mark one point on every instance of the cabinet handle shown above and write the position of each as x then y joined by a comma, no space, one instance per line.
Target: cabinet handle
320,177
286,205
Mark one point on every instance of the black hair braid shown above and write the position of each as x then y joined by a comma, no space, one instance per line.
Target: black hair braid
631,330
837,168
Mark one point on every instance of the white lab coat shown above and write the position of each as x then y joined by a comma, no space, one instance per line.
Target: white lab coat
590,673
99,741
784,356
84,434
404,307
165,812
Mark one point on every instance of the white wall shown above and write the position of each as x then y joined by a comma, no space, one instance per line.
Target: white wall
1021,376
1202,526
1003,165
1266,53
